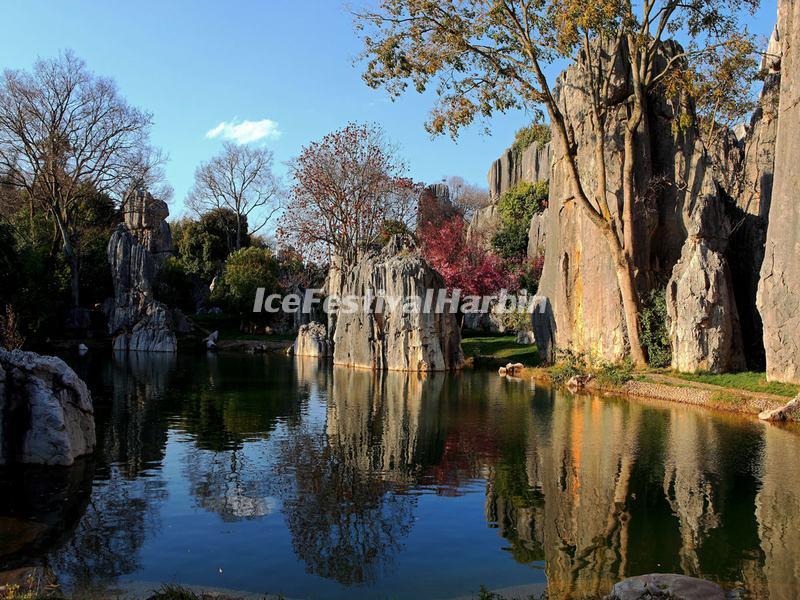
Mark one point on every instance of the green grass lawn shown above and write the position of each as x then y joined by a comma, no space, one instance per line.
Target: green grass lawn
746,380
499,349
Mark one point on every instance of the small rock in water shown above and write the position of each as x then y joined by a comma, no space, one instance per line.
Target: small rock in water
82,349
578,382
789,412
667,586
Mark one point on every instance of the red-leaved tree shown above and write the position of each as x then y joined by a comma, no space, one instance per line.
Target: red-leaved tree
463,262
345,187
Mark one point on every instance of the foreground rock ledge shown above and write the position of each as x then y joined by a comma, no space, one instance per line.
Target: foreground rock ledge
789,412
666,586
46,413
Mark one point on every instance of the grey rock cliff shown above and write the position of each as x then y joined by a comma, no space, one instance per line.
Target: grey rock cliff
137,321
385,337
532,164
672,223
46,412
778,297
145,216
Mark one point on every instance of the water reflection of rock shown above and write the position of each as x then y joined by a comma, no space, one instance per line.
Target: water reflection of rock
343,496
378,421
134,433
40,508
123,510
601,491
778,514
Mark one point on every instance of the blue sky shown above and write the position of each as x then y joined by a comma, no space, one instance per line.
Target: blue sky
197,64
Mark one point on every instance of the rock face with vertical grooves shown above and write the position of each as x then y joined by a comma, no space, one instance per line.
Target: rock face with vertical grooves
778,297
747,173
146,217
673,240
531,165
312,340
46,412
136,319
387,337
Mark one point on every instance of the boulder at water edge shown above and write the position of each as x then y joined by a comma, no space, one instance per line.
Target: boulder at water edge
312,340
46,413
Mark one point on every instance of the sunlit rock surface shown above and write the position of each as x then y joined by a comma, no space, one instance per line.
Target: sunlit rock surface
312,340
778,298
384,335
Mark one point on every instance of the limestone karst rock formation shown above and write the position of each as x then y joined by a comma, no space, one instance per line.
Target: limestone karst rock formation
146,217
385,336
778,297
579,278
46,412
532,164
703,317
312,340
434,205
744,165
136,319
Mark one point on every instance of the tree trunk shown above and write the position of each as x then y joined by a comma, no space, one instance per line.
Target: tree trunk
71,257
74,279
626,278
238,244
624,266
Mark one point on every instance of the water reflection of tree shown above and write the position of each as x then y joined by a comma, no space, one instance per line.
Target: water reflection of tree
344,488
228,483
346,523
231,410
107,540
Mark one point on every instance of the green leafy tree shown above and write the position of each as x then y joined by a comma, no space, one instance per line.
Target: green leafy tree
174,286
536,133
246,270
202,246
65,132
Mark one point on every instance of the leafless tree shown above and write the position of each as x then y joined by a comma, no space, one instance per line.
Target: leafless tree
466,196
66,132
239,179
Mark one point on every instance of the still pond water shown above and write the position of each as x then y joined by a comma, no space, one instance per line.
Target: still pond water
268,475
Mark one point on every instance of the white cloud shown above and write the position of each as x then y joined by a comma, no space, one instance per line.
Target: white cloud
244,132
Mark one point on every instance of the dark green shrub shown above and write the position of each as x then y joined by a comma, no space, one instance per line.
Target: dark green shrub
174,286
615,374
516,207
568,365
655,333
511,241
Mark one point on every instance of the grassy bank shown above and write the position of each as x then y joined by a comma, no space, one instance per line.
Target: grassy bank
498,350
746,392
750,381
